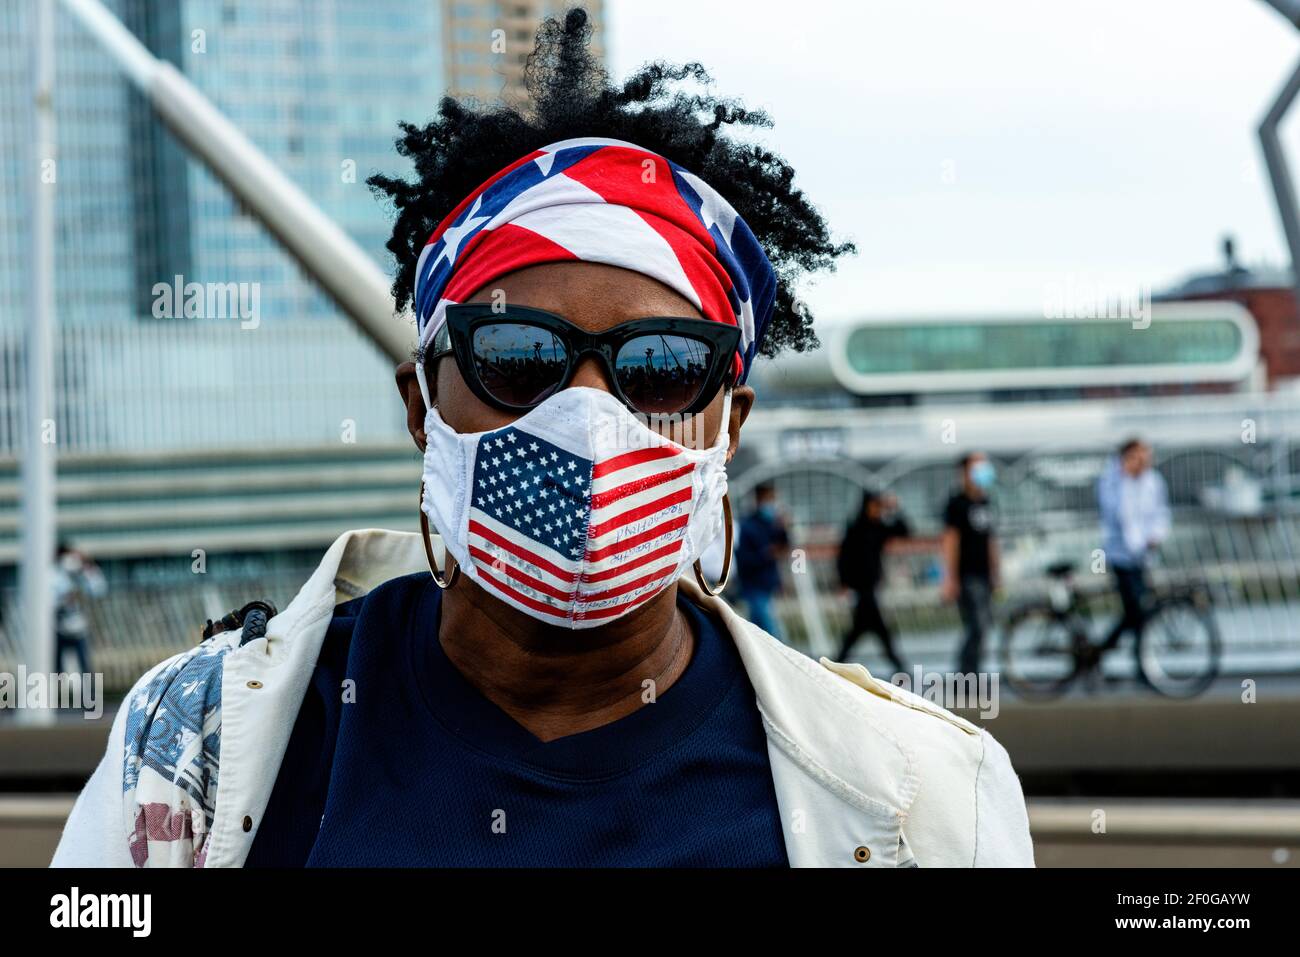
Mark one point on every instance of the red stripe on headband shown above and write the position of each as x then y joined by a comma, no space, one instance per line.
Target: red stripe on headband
705,273
617,175
493,253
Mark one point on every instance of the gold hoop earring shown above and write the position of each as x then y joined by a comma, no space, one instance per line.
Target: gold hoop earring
713,591
428,552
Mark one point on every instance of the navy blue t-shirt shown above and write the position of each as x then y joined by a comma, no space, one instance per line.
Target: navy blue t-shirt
397,760
760,532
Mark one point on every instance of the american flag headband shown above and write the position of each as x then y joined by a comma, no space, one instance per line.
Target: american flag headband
606,201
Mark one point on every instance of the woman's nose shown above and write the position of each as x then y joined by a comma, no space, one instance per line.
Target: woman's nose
591,373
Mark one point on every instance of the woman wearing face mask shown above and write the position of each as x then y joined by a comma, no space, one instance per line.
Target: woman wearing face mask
543,678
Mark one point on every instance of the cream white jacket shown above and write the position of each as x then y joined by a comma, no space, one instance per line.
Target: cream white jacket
866,774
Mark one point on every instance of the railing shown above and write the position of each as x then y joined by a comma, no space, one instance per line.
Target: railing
1248,566
132,629
177,384
1254,584
1232,463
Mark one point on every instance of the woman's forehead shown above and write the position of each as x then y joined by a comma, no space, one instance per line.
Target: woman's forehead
591,295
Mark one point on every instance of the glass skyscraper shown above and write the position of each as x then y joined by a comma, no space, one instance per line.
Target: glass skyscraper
92,175
319,87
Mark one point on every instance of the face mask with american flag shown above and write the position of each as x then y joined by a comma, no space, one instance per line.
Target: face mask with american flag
577,512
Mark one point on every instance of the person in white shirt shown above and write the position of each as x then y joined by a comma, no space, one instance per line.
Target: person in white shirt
1134,503
76,580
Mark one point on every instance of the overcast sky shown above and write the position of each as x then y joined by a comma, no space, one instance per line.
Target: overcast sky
982,154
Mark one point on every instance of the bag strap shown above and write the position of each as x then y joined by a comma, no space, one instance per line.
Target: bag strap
253,618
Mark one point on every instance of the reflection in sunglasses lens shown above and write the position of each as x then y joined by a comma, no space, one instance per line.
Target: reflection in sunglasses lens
518,364
662,374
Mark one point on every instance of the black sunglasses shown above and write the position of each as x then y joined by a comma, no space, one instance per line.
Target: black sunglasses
517,357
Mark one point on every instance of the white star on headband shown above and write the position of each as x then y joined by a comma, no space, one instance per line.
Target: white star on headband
713,208
454,235
545,162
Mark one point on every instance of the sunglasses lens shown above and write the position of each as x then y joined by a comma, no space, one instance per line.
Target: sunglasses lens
663,374
518,364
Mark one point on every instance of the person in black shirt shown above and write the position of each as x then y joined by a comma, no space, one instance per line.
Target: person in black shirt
971,555
859,568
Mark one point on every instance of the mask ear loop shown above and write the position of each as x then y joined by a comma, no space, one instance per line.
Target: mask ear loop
443,582
424,386
724,433
724,438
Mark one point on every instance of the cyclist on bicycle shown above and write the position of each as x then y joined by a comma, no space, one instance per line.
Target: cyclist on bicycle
1134,506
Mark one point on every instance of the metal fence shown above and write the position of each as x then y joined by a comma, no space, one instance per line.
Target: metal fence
1231,462
179,384
132,629
1248,567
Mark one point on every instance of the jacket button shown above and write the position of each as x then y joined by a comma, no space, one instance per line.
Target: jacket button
255,684
860,854
248,823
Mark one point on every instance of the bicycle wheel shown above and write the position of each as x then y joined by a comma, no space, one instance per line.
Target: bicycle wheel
1180,648
1038,652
